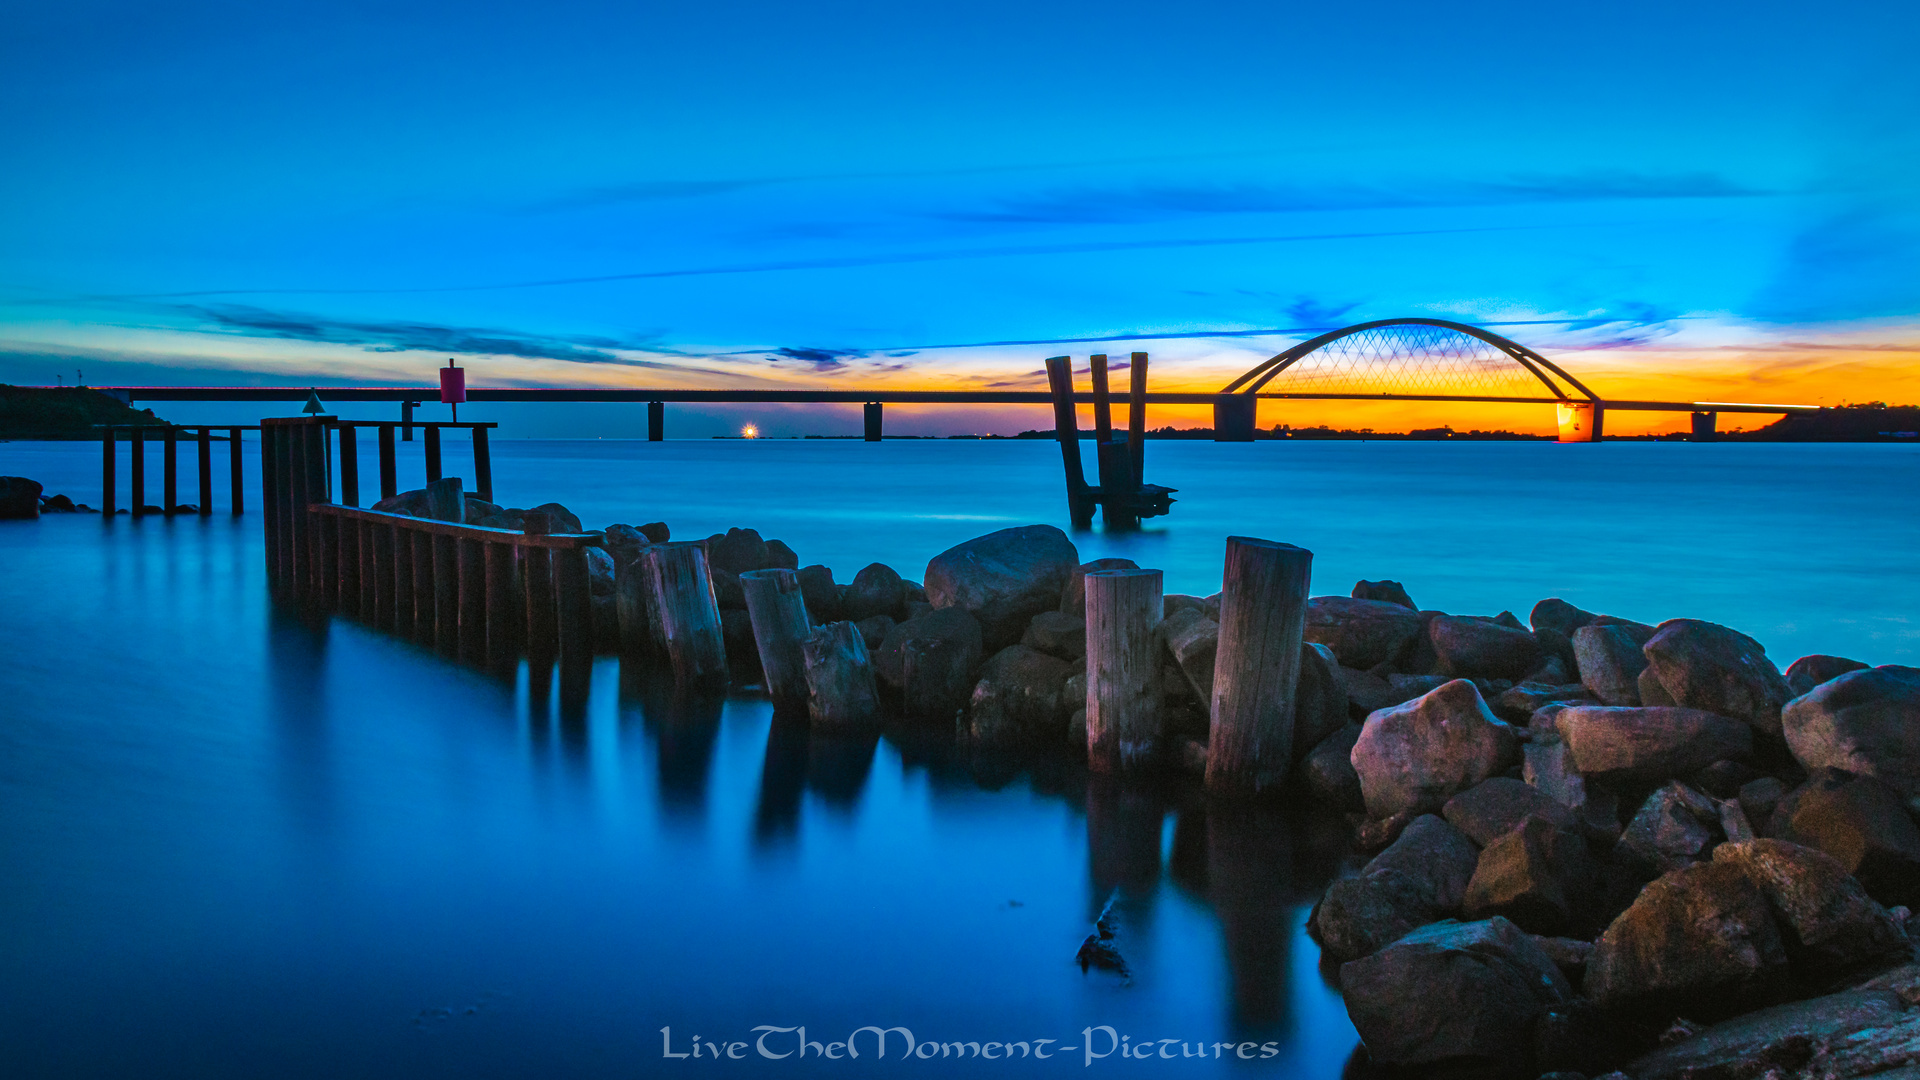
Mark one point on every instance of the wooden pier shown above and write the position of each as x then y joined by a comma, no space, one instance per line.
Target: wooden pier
135,436
1122,494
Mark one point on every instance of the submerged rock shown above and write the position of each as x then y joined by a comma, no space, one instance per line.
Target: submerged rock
1018,699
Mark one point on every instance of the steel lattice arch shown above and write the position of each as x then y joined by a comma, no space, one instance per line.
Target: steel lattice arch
1413,359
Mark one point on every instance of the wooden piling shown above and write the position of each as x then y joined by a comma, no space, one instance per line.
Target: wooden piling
389,470
109,461
780,629
349,465
473,599
406,421
542,616
269,503
1102,404
502,640
840,691
482,464
1137,417
573,602
205,462
433,452
1256,671
681,595
633,609
873,412
295,497
425,609
400,544
137,470
236,471
363,532
320,567
381,537
1066,428
346,535
1123,667
170,469
446,593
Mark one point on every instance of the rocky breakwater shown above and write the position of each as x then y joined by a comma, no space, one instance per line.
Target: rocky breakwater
1596,837
24,498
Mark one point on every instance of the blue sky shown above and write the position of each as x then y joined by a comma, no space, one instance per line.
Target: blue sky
851,194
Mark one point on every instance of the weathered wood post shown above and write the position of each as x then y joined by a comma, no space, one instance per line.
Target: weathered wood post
109,459
406,420
425,609
389,470
543,630
482,464
473,599
1102,405
204,459
236,472
1263,616
840,691
688,620
349,465
346,532
381,536
137,470
780,629
270,503
1066,428
400,543
573,602
322,580
633,607
433,452
364,545
1123,669
502,641
1137,418
446,593
170,469
300,557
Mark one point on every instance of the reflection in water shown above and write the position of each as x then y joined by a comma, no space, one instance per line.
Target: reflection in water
838,766
296,670
783,779
1249,856
683,727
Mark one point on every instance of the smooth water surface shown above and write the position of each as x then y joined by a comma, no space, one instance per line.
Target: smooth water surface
237,842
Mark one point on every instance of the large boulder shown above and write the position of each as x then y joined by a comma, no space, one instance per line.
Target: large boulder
1490,810
1362,633
1073,598
1470,647
1837,930
1517,704
1467,996
1414,757
1547,767
1018,699
1707,666
875,590
624,543
1676,827
1539,874
1861,822
820,593
1810,671
1610,663
599,572
1422,876
1004,579
1866,722
562,520
1390,591
1320,699
19,497
1057,633
441,500
1554,613
738,551
1648,746
1700,941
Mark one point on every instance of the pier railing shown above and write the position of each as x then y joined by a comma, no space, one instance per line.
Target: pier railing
486,594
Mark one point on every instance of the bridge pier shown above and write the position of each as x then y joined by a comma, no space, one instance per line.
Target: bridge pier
1235,417
656,421
1703,426
1580,421
873,420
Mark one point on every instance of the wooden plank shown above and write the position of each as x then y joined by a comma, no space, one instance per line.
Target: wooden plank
389,469
1263,613
473,599
236,471
400,544
369,575
424,608
446,594
542,616
503,638
1123,669
322,579
573,601
1137,417
381,537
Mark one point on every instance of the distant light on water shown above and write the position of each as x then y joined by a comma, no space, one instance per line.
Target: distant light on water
749,432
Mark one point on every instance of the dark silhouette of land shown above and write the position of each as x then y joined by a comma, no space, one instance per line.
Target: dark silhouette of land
64,412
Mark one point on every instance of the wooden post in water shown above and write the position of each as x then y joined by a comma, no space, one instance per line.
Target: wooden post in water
1137,418
473,600
502,640
319,530
633,608
236,472
542,617
573,601
446,593
1123,669
137,472
1066,428
406,421
433,452
381,536
688,620
840,691
424,607
1102,406
109,460
346,535
170,469
872,411
349,465
270,503
389,471
364,546
1263,614
300,553
206,471
482,464
400,546
780,629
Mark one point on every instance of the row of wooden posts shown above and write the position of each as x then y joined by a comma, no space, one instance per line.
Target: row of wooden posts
492,595
135,435
1122,494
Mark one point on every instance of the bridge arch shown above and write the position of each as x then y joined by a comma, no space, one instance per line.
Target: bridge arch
1413,359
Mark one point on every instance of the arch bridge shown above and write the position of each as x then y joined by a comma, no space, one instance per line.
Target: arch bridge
1437,360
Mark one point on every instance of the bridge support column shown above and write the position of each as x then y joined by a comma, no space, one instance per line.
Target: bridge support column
656,421
873,421
1703,426
1580,421
1234,417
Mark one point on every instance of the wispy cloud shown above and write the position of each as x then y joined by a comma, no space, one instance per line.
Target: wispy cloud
1150,202
822,360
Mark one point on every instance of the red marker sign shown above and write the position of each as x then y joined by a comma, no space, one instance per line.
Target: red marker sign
453,384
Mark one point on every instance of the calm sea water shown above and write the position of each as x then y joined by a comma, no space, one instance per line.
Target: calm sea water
239,842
